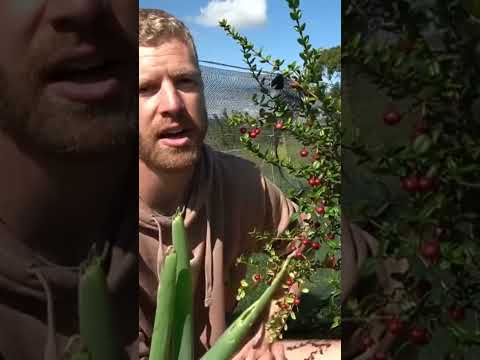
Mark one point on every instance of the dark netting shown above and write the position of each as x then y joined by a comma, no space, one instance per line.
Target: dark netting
227,91
232,90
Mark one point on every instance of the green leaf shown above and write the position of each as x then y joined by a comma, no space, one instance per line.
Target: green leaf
422,144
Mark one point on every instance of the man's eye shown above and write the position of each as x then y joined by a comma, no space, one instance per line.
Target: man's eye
146,88
186,82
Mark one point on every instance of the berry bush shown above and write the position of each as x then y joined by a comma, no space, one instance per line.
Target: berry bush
313,120
424,55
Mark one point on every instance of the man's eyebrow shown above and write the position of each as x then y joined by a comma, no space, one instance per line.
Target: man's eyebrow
176,73
185,72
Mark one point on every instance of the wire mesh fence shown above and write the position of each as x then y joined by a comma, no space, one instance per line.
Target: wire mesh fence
231,89
228,91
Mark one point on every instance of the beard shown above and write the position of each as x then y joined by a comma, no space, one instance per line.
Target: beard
165,159
55,126
66,128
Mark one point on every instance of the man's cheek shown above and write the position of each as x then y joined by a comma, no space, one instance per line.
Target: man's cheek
145,114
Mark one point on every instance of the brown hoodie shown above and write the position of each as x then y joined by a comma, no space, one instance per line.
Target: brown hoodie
229,199
38,299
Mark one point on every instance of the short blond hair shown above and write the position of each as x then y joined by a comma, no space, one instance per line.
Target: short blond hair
156,26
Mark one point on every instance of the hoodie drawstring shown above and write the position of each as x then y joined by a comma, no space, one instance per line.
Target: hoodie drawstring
160,254
50,351
220,228
208,262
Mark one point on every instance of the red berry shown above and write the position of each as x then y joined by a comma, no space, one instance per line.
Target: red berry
391,118
296,301
456,313
314,181
419,336
257,130
395,326
380,356
252,134
431,250
279,125
257,277
425,184
410,183
304,152
289,281
320,210
306,242
315,245
298,253
243,130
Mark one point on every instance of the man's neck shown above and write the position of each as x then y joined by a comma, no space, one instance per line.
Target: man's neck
164,192
59,207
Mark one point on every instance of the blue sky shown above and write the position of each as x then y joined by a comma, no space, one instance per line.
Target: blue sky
270,28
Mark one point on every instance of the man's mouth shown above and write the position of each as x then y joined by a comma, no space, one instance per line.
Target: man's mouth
175,137
84,72
85,76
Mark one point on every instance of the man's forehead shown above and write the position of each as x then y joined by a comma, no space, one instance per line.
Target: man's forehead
169,46
173,58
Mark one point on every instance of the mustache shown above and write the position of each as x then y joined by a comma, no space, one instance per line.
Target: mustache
109,39
183,120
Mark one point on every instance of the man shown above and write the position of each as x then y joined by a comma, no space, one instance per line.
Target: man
226,197
68,155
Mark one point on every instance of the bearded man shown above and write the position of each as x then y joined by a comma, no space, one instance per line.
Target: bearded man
225,197
68,150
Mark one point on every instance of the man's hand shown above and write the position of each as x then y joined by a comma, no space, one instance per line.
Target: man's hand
260,348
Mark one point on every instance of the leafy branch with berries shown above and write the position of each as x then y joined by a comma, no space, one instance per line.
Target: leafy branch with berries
313,121
424,57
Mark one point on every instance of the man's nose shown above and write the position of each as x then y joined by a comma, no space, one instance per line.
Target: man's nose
63,13
170,100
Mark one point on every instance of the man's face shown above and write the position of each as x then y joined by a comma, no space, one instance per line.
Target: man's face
68,74
172,114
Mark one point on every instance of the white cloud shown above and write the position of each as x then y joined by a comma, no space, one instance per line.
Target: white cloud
239,13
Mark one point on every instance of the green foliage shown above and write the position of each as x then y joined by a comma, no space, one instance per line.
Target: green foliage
426,58
314,123
330,61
